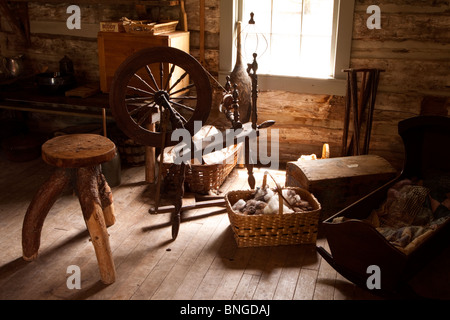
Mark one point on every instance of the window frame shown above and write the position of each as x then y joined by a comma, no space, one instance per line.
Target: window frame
231,12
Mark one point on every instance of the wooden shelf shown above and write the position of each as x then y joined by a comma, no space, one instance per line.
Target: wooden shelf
110,2
19,21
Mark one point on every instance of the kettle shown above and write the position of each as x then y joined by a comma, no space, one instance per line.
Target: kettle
14,66
66,66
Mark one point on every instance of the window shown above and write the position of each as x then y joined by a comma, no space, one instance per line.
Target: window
308,42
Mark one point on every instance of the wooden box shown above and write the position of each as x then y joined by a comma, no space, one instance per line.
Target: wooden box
112,26
338,182
115,47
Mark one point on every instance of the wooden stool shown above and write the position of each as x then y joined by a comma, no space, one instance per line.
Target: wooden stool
77,158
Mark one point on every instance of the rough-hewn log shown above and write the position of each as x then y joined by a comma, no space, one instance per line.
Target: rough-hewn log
88,194
38,209
106,199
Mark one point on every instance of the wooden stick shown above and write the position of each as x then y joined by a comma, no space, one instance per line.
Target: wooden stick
346,118
282,199
374,84
104,121
354,92
264,183
365,92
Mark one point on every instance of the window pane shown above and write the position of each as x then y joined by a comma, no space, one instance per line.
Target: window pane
298,35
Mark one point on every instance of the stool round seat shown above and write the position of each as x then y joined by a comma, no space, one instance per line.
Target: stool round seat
78,150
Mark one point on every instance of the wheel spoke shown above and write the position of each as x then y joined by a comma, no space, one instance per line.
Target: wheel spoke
145,116
175,112
161,74
145,82
185,98
140,107
151,76
183,89
182,106
137,98
139,90
172,69
178,81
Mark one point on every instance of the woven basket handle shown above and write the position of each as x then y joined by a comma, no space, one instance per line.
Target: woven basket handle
281,198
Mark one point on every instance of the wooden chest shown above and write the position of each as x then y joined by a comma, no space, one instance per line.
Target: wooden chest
115,47
338,182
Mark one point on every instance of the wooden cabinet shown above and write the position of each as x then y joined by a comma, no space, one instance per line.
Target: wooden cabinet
115,47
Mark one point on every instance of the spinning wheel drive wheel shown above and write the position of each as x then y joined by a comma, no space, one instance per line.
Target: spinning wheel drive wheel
155,80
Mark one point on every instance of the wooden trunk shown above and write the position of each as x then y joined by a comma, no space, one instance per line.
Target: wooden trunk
338,182
115,47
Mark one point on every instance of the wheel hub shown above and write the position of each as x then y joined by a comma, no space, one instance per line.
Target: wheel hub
161,97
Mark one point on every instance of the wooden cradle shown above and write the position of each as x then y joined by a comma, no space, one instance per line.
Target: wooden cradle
355,245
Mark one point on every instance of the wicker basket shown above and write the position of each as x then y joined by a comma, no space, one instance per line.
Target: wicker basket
149,27
205,177
273,229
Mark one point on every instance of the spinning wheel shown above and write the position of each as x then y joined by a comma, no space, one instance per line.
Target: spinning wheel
157,80
158,90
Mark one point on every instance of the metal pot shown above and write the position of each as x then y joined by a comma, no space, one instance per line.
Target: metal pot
54,82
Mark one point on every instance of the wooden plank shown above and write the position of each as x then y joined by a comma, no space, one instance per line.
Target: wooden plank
271,274
200,267
233,275
220,260
168,260
290,273
88,30
247,286
182,267
326,278
306,284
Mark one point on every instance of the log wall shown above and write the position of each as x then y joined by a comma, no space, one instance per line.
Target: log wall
413,46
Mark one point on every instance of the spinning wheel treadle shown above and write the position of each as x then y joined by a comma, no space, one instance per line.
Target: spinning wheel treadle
154,80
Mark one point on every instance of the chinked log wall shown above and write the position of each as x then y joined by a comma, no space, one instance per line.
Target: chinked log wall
413,46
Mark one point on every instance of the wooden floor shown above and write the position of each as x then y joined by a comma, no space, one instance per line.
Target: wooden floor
202,263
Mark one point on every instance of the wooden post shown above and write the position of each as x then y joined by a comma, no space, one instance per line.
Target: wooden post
202,32
150,159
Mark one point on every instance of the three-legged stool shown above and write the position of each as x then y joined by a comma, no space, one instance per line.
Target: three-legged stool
77,158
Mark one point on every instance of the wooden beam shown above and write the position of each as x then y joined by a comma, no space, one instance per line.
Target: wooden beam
183,16
19,25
